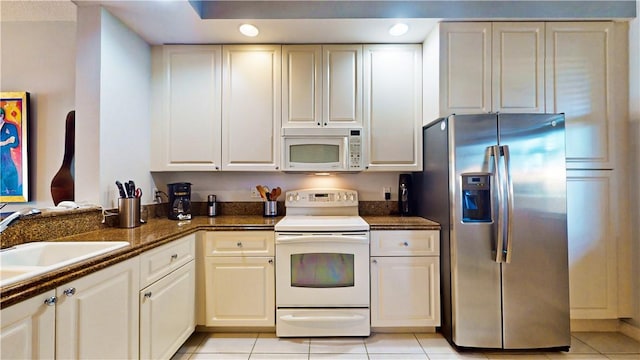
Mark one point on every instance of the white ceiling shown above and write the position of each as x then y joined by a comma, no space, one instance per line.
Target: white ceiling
300,21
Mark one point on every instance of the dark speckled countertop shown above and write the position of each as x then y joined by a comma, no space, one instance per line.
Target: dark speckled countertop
158,231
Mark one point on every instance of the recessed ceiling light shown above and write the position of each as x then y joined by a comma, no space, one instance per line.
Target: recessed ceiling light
249,30
398,29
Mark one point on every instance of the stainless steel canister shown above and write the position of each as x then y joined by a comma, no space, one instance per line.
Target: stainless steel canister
129,212
212,205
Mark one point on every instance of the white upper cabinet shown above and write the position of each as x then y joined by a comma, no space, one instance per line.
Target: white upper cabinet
393,107
251,107
465,68
491,67
517,76
185,134
579,83
322,86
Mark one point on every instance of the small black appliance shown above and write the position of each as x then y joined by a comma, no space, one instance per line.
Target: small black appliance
179,201
404,195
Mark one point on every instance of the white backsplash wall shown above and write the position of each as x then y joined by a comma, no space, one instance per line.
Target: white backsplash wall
236,186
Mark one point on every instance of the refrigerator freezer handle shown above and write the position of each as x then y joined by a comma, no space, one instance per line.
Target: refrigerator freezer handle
495,153
509,212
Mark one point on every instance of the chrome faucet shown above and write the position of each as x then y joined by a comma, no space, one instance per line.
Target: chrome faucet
4,224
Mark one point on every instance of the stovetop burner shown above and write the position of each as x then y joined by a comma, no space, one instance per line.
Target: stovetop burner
327,210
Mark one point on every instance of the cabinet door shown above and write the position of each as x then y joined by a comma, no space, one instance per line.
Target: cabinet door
405,291
591,220
393,107
28,329
465,68
302,86
240,291
251,107
342,85
187,135
97,315
578,83
518,67
167,313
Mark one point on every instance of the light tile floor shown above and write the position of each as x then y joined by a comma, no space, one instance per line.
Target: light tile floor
266,346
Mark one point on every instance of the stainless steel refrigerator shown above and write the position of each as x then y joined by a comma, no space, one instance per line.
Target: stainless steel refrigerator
497,185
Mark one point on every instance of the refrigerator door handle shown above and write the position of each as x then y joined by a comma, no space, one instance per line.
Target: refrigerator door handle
509,203
499,239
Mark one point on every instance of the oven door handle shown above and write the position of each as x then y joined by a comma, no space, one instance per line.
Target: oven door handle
342,239
323,318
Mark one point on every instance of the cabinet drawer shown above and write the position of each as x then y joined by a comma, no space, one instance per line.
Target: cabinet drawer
160,261
405,243
237,243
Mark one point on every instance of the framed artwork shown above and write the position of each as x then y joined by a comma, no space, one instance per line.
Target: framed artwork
14,145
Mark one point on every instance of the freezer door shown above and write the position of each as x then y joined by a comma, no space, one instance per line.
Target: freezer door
475,276
535,277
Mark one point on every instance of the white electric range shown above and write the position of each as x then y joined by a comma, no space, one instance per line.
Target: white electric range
322,265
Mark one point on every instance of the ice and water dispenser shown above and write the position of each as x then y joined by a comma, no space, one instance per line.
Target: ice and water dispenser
476,197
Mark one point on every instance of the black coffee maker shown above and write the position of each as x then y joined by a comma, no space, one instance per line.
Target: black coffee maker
404,195
179,201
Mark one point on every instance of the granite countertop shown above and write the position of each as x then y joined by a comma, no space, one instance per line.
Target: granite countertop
158,231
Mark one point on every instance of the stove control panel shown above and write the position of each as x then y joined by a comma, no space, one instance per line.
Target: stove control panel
321,198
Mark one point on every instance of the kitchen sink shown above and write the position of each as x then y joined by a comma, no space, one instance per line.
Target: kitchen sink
31,259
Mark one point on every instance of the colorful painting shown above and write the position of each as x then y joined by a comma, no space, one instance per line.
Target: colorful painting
14,159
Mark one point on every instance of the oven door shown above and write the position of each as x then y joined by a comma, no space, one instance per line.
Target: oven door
322,270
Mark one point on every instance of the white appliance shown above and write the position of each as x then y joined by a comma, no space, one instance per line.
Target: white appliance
322,149
322,265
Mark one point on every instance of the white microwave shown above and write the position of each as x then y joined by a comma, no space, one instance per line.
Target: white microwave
322,149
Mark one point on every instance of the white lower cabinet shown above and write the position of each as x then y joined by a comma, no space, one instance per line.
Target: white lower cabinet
97,315
405,278
167,302
239,278
28,328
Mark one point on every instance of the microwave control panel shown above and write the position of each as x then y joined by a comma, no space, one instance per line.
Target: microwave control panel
355,149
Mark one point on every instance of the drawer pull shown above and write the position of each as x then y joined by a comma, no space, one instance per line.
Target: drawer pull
270,261
405,243
50,301
70,291
148,294
174,256
239,244
374,261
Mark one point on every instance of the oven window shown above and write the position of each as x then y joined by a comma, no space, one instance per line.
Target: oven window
314,153
322,270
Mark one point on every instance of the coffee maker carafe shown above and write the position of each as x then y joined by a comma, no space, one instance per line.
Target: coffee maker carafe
179,201
404,194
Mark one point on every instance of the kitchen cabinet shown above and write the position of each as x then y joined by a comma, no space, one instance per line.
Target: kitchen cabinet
186,134
581,83
322,86
251,107
491,67
167,300
592,225
28,328
405,278
239,278
97,315
393,107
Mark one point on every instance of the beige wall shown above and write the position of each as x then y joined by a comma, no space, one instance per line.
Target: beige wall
39,57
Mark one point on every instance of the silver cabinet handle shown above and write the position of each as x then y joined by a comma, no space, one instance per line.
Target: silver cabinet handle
148,294
270,261
70,291
374,261
239,244
50,301
405,243
174,256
